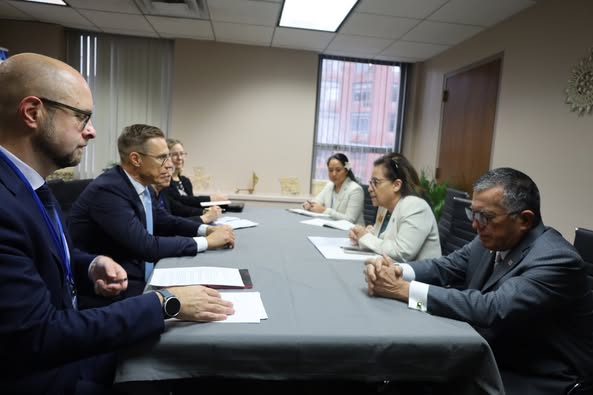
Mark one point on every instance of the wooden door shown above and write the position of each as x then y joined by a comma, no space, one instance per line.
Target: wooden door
469,109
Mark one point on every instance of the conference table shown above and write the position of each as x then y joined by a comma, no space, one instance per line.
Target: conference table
322,324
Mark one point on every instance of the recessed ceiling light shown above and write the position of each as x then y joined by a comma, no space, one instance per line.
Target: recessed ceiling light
54,2
326,15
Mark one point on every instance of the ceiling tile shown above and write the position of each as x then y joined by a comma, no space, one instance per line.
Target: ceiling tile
60,15
124,6
111,21
414,50
479,12
301,39
235,33
245,11
9,12
377,25
179,27
441,33
404,8
362,45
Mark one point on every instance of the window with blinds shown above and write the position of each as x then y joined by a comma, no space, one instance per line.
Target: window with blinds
359,113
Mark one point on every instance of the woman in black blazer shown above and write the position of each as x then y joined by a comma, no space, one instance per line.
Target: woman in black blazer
180,192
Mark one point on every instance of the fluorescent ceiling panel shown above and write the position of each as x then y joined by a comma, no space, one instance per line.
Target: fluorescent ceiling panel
325,15
56,2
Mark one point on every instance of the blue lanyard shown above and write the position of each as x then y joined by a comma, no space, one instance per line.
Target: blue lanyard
58,239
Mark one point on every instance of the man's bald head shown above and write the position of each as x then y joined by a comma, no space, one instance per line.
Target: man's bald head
30,74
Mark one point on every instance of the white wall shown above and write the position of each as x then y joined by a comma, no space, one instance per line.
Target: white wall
239,109
535,130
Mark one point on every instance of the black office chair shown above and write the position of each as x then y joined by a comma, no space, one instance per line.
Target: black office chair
66,192
461,231
583,242
369,211
446,220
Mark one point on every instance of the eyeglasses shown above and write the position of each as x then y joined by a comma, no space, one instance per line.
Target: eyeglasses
179,154
483,218
376,181
160,158
82,115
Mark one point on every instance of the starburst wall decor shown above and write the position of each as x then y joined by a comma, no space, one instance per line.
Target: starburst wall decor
579,93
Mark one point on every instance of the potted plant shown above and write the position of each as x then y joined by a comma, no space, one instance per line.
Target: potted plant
435,193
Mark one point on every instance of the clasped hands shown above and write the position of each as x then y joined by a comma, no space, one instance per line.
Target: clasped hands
220,237
313,206
384,278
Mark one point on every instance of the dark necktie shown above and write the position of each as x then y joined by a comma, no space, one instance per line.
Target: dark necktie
147,203
385,222
48,202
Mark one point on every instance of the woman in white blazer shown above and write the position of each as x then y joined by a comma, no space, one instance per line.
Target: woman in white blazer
406,228
342,197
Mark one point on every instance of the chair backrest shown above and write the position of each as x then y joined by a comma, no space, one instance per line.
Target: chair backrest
461,231
583,242
446,220
66,192
369,211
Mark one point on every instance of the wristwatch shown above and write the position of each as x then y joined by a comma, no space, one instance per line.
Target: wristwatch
171,305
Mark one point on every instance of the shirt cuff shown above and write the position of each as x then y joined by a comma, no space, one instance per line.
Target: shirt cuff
202,243
202,230
418,296
408,272
91,266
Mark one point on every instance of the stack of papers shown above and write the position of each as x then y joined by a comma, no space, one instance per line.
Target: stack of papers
306,212
248,306
339,248
340,224
235,222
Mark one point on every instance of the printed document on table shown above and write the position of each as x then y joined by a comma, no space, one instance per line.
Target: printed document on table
331,248
204,275
235,222
341,224
248,306
215,203
307,213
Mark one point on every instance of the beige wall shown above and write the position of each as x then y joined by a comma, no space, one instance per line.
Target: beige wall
535,130
42,38
240,109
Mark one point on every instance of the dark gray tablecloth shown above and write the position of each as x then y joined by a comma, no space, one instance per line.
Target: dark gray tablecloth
322,324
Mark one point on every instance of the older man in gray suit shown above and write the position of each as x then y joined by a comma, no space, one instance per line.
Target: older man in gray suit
519,283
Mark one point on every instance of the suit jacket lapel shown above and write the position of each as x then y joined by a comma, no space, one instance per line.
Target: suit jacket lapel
514,257
133,196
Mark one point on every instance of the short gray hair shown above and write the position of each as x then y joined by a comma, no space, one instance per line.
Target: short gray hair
519,191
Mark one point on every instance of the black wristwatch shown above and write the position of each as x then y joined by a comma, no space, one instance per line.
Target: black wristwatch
171,305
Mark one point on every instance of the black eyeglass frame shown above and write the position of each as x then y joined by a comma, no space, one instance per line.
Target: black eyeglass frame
87,114
484,219
163,158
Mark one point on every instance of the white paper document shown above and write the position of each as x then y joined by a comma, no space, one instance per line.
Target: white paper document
216,203
331,248
248,306
307,213
202,275
235,222
341,224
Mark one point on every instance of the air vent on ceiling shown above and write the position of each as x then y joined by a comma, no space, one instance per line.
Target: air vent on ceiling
196,9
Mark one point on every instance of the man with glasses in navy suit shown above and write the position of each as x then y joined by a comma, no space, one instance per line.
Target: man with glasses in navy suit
520,284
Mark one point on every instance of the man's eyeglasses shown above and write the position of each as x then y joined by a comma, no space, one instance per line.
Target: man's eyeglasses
160,158
82,115
179,154
376,181
483,218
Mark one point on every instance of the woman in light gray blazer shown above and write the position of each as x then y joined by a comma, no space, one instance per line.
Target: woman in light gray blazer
406,228
342,197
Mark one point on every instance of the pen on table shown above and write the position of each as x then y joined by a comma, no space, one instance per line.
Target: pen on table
349,250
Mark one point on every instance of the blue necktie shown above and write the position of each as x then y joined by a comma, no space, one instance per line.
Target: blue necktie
147,201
